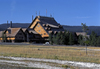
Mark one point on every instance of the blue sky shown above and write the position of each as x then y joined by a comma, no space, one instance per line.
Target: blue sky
65,12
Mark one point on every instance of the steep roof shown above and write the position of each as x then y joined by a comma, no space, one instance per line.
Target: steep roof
12,31
48,20
48,23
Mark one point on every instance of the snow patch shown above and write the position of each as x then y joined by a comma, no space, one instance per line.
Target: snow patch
72,63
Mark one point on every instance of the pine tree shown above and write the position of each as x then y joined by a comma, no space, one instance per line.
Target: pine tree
66,38
80,40
93,39
71,39
50,39
98,41
54,39
57,37
62,39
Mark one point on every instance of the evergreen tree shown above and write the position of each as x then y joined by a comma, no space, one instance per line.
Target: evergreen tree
66,38
62,38
93,39
80,40
98,41
71,39
50,39
58,38
54,39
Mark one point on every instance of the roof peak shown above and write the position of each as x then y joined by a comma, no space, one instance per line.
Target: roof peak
43,17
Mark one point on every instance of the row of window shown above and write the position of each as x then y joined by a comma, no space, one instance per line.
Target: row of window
40,31
44,34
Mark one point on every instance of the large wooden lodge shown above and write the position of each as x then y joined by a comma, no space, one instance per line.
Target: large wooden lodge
38,31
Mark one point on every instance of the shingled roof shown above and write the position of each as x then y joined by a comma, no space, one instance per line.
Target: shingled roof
12,32
51,24
48,23
48,20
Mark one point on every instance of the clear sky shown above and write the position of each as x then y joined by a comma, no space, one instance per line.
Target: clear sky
65,12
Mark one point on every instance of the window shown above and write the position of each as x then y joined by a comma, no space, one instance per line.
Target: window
38,25
39,30
44,33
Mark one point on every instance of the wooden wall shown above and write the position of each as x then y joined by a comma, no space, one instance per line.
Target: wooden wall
0,38
39,29
20,36
33,24
11,38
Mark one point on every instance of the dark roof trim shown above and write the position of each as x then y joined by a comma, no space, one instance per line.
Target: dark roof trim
33,21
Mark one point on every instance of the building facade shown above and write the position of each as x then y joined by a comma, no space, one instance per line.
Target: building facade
38,30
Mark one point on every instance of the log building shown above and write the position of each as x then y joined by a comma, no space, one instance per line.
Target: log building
38,30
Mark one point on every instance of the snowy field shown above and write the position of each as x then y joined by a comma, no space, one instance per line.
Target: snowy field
42,63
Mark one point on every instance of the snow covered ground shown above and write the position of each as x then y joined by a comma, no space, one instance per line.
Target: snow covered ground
30,64
37,64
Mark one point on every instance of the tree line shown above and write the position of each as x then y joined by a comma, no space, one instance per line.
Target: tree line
66,38
92,40
69,38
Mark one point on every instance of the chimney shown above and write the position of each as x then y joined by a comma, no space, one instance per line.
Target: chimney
11,24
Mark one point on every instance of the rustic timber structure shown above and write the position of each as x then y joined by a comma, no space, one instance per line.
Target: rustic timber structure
45,25
14,34
38,30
